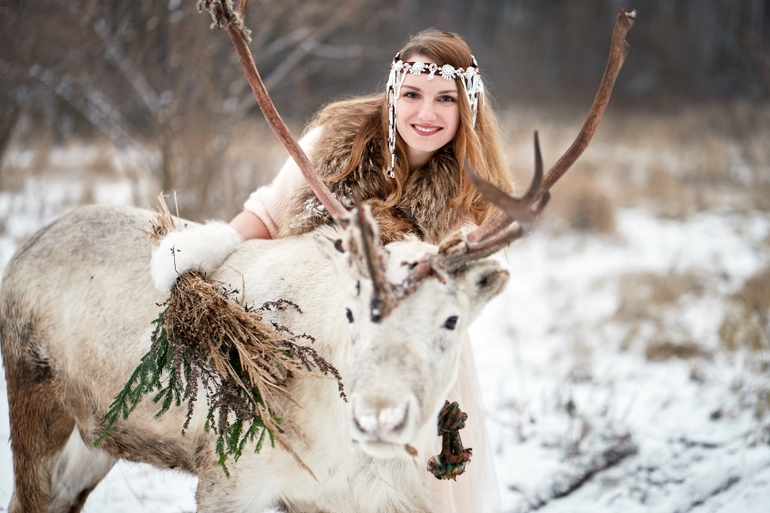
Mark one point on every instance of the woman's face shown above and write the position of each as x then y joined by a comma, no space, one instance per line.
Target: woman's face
428,113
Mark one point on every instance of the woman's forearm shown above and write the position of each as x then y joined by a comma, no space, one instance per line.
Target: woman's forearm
249,226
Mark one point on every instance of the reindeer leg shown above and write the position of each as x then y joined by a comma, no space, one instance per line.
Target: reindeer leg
39,432
54,471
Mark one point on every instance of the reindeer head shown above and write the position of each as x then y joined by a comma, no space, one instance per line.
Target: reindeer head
405,339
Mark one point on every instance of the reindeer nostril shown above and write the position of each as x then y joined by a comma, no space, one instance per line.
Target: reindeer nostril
401,425
393,420
387,422
366,424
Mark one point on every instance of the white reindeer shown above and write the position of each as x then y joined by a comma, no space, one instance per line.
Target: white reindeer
76,307
77,302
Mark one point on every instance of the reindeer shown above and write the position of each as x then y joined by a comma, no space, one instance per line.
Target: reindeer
75,310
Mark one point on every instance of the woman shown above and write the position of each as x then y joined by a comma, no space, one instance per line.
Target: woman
401,152
408,164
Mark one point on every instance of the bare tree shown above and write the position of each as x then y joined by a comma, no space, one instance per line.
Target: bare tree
151,74
147,73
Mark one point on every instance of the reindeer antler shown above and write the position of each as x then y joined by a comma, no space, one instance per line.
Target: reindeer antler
481,239
520,214
524,210
497,233
232,21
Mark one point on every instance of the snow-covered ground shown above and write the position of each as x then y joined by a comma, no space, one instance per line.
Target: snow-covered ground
598,398
568,392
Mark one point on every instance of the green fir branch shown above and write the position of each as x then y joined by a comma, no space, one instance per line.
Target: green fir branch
144,380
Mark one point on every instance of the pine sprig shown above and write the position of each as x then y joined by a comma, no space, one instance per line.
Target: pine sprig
144,380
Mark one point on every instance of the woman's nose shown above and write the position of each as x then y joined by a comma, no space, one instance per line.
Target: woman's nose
427,113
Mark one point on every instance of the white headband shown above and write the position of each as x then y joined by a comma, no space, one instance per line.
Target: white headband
470,78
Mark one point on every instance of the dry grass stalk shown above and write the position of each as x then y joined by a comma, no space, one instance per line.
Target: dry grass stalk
746,324
645,295
163,222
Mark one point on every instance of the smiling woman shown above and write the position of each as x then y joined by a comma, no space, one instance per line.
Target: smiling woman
400,150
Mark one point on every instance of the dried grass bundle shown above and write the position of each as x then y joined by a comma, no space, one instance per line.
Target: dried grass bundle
207,336
253,360
163,222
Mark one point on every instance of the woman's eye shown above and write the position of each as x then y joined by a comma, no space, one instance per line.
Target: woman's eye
447,99
411,95
451,323
349,315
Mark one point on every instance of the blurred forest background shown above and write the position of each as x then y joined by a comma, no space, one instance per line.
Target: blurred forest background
164,92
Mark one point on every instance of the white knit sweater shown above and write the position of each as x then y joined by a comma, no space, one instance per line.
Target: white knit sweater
272,203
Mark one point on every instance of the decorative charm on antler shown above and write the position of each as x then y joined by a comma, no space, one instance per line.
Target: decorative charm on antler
454,457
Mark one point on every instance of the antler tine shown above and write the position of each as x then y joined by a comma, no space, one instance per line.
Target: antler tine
224,16
383,302
618,51
524,211
514,209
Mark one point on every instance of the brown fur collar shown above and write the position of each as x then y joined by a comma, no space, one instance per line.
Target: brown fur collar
424,210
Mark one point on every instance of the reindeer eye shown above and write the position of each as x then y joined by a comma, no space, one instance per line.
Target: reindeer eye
451,323
349,314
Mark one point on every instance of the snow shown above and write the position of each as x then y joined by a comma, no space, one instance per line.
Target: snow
550,344
574,405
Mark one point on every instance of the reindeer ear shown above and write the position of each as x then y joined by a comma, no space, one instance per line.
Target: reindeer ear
330,247
484,280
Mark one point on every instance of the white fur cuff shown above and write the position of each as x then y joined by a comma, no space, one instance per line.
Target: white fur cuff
198,247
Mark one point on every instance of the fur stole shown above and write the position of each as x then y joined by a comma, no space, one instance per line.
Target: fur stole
424,210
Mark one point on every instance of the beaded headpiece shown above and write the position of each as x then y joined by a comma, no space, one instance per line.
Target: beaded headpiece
470,78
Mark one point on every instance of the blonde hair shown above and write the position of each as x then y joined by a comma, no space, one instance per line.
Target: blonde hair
481,144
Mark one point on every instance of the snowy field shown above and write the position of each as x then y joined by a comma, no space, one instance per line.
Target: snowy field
608,382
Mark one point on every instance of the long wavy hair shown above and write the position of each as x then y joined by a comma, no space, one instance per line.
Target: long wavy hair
480,144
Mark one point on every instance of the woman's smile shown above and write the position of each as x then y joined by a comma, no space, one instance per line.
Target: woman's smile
426,130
